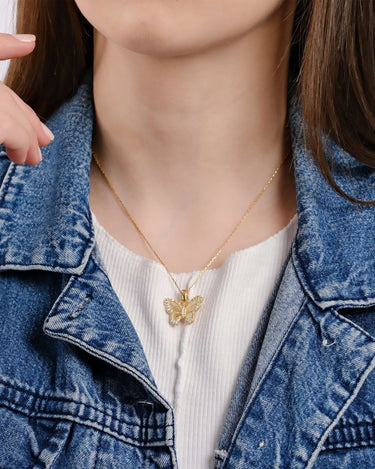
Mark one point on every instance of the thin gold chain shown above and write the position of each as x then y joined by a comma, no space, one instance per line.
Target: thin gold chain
214,257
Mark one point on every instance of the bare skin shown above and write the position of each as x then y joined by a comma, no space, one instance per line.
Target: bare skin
189,134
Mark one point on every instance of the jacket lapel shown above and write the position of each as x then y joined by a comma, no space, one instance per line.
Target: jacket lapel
314,374
89,315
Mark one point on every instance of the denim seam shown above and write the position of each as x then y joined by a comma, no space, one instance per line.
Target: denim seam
346,442
35,414
6,182
351,324
98,446
43,449
53,266
260,384
355,425
301,272
358,384
171,439
348,445
80,307
65,400
71,284
61,297
354,305
101,433
88,423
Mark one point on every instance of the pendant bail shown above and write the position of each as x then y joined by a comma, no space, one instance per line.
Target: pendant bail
185,295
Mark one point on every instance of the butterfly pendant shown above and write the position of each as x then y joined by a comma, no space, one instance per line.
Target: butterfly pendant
183,310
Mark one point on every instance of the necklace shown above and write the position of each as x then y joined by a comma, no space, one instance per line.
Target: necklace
184,309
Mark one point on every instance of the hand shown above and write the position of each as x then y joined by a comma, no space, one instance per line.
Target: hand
21,131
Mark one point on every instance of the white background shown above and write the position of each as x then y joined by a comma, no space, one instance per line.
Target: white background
7,25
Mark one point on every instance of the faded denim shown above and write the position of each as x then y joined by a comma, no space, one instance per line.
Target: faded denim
76,390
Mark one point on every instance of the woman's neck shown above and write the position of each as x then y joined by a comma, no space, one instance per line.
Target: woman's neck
190,133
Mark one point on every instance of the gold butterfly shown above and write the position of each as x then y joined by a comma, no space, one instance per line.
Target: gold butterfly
183,310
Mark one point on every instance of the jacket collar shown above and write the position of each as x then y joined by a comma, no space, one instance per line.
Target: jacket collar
45,219
334,250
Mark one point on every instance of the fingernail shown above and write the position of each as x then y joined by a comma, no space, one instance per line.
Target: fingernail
40,155
48,132
25,37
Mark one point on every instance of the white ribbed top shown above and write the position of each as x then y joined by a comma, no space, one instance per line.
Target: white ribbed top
196,366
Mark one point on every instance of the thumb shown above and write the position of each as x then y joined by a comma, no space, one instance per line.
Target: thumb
16,45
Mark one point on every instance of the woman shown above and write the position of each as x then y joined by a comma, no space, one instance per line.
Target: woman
151,316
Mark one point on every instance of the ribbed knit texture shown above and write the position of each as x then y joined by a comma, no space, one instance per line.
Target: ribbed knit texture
196,366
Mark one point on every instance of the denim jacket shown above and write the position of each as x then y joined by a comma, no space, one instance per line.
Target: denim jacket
76,391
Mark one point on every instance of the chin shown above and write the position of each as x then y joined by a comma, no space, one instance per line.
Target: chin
149,42
155,36
143,26
159,48
168,28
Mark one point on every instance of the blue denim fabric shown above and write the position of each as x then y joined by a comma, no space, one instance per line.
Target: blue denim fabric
76,390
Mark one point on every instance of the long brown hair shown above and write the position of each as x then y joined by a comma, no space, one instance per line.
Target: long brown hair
332,60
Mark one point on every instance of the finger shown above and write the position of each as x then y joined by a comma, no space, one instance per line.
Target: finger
17,135
17,45
43,134
34,155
